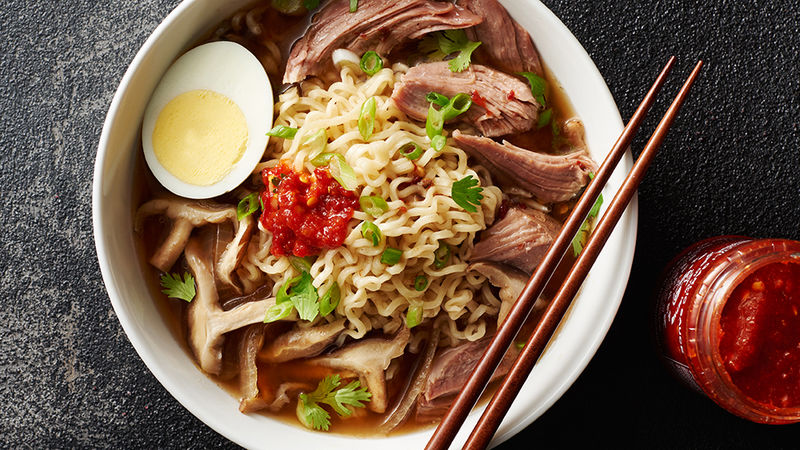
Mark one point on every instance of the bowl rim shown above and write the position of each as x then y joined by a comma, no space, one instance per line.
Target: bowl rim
578,362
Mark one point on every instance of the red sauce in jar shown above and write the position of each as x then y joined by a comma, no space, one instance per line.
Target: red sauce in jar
728,324
305,212
760,335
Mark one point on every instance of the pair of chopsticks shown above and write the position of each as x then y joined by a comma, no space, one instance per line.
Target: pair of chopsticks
502,399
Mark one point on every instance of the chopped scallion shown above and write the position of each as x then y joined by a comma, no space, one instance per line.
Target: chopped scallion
282,131
353,6
342,172
457,106
366,120
420,283
438,143
247,206
322,159
278,311
391,256
414,316
411,151
371,63
373,205
301,264
371,232
437,98
316,144
434,124
441,256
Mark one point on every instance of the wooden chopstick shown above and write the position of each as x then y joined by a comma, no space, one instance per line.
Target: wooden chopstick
452,420
508,390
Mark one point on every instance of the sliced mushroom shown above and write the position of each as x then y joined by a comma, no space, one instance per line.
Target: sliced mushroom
369,359
207,321
511,282
234,252
185,216
301,342
251,342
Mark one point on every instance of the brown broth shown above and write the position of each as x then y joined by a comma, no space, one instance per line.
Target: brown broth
272,375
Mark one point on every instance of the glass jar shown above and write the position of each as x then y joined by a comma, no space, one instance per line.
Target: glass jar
745,357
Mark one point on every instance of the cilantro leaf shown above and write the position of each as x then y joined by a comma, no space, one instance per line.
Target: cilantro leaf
313,416
467,194
461,62
175,288
302,294
441,44
538,87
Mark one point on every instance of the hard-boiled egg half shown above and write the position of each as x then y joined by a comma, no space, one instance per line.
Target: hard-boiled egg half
205,128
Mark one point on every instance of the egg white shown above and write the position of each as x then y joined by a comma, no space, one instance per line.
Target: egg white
229,69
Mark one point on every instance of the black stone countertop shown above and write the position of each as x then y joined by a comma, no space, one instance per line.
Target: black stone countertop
731,165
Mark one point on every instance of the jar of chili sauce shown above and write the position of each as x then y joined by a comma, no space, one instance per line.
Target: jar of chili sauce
728,324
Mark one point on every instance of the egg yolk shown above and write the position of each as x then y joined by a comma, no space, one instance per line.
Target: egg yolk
199,136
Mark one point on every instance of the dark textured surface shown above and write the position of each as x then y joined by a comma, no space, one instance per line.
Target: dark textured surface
70,378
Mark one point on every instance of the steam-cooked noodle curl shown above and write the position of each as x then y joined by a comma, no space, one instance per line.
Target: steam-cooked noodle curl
420,214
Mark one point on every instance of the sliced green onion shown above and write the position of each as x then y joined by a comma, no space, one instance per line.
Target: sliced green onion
353,6
420,283
322,159
247,206
441,256
282,131
414,316
411,151
342,172
544,118
366,120
283,292
519,344
434,124
371,63
371,232
330,300
316,143
311,4
373,205
278,311
438,142
391,256
437,98
457,106
301,264
289,7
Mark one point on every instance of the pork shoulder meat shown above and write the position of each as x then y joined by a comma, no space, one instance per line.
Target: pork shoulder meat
497,113
505,44
551,178
376,25
520,239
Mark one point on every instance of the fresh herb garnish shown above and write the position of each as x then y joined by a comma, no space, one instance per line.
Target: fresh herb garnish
311,4
544,118
411,151
414,316
316,144
373,205
441,256
371,232
282,131
440,44
366,120
456,106
329,301
247,206
312,415
438,143
353,6
342,172
538,87
467,194
437,98
371,63
434,124
300,293
583,233
301,264
175,288
450,109
391,256
420,283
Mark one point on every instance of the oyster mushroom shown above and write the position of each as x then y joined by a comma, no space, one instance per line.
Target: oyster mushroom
301,342
207,321
511,282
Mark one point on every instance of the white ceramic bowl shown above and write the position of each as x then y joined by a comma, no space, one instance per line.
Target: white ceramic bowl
570,351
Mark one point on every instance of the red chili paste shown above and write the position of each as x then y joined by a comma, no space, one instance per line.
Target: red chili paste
305,212
760,335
